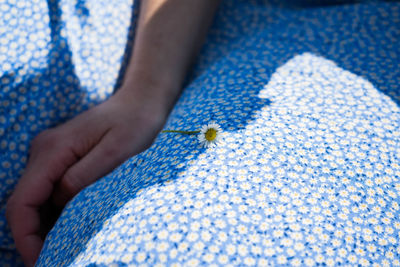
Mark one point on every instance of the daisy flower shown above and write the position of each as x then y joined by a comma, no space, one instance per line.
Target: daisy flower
210,135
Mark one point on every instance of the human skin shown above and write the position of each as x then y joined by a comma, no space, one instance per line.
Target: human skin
65,159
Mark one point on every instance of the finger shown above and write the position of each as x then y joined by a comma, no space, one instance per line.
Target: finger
23,218
27,242
33,189
102,159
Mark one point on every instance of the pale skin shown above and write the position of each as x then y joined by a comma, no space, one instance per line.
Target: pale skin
66,159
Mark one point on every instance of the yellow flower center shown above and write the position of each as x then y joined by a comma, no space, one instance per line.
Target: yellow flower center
211,134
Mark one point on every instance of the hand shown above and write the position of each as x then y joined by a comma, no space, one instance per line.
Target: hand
66,159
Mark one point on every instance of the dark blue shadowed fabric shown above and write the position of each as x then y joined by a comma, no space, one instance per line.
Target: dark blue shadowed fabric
308,169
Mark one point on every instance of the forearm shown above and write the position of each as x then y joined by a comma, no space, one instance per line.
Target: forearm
168,36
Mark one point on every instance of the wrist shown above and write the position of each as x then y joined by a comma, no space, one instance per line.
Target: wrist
148,96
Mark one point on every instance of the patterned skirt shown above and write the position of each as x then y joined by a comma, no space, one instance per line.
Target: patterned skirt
307,171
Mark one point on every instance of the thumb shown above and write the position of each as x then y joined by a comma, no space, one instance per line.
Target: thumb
103,158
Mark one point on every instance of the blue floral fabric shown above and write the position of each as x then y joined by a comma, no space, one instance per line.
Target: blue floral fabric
57,58
307,171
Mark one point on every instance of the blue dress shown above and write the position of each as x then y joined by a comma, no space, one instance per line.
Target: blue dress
307,171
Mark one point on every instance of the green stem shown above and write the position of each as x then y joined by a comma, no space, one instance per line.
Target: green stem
181,132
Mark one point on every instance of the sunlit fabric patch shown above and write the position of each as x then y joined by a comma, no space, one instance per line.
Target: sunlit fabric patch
306,172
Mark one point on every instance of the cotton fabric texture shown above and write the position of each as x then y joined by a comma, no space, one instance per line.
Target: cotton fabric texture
306,171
